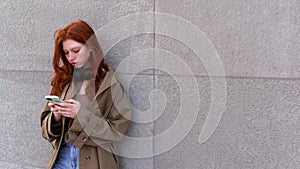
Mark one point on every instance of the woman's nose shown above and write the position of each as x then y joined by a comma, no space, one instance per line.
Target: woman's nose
72,56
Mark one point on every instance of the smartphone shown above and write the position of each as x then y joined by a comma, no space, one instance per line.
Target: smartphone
54,99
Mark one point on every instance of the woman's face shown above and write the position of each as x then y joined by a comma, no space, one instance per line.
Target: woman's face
76,53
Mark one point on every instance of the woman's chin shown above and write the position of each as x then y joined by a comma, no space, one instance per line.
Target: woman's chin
77,66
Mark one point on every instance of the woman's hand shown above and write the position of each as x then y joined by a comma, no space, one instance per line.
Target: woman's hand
67,109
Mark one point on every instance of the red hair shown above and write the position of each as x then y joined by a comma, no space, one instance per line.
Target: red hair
81,32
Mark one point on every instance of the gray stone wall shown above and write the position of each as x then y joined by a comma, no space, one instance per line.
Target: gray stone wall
166,65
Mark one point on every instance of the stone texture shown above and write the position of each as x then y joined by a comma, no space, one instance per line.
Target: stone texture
133,55
259,128
138,88
172,51
27,38
257,42
22,101
253,39
14,166
27,29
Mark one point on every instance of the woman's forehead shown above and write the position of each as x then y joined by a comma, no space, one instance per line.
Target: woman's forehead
69,44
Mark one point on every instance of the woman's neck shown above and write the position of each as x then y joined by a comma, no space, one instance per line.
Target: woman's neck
84,85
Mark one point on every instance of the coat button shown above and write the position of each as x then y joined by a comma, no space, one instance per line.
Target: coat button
84,138
87,158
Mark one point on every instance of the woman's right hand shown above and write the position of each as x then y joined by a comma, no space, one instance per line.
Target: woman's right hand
55,111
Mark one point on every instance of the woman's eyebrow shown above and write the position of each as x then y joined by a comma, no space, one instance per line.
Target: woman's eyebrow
74,48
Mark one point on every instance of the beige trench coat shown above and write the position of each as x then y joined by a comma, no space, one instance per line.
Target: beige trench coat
95,131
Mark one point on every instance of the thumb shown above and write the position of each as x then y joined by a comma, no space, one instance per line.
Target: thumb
72,101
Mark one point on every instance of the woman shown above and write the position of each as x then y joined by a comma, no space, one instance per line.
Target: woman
96,111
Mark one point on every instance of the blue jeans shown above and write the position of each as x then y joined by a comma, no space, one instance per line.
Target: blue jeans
68,157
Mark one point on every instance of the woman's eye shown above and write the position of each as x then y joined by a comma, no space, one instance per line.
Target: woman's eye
76,51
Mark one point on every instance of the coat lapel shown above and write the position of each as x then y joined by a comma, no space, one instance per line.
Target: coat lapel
74,87
108,81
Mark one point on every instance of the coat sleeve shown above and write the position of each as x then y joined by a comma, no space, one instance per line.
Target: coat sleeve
96,130
51,130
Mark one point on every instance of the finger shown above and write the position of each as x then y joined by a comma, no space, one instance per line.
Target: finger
63,106
70,100
60,108
53,109
65,113
59,104
73,101
67,104
74,104
69,109
50,104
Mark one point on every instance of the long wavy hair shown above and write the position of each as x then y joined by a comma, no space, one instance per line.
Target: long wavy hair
81,32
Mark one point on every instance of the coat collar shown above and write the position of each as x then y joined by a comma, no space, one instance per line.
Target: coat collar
109,79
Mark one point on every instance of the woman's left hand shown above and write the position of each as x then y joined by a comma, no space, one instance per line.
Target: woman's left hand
68,109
